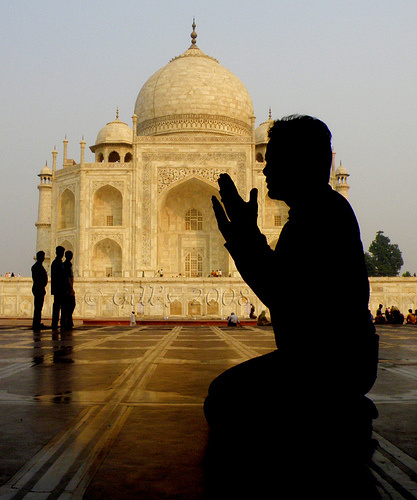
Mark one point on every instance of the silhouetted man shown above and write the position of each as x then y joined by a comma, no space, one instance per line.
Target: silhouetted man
68,305
40,280
58,285
317,378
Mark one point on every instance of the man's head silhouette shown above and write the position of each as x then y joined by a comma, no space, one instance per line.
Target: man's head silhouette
298,157
40,256
59,251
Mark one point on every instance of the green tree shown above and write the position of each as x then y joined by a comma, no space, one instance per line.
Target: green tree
384,258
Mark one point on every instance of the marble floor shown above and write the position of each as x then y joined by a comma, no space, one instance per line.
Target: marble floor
116,411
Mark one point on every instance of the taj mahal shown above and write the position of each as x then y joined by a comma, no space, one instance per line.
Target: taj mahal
140,214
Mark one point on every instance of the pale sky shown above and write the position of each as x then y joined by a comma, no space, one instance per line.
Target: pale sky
67,65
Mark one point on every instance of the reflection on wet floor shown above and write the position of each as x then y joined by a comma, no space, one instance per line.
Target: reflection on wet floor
60,345
109,376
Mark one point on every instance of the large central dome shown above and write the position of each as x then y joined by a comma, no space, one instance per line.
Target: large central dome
194,93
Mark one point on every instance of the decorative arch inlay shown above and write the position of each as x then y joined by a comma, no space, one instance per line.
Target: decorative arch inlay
192,165
167,176
70,239
95,238
70,187
95,185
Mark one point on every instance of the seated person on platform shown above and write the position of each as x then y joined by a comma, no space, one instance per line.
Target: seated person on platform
396,317
263,320
233,320
411,318
379,318
330,367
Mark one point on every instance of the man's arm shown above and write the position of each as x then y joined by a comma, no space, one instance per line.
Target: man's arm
248,247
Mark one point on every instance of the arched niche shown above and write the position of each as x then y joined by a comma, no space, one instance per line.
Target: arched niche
106,260
128,157
212,308
107,207
194,308
114,157
186,227
66,210
175,308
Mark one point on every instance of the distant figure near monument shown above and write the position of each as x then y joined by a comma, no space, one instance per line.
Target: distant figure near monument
40,280
58,286
307,398
68,304
133,319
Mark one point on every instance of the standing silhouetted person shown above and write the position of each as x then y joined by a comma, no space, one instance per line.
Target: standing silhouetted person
58,285
40,280
68,304
312,388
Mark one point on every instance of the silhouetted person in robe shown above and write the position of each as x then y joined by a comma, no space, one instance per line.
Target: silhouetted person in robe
40,280
297,420
68,304
58,285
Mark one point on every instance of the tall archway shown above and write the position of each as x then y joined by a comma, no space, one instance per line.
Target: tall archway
108,207
189,242
66,210
106,259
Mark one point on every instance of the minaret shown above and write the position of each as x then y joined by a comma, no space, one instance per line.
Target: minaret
64,159
82,155
43,241
342,186
54,155
333,170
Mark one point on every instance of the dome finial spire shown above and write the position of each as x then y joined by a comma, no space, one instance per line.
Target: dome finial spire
193,34
117,113
270,113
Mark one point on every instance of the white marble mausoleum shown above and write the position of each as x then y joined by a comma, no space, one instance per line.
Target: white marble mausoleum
142,208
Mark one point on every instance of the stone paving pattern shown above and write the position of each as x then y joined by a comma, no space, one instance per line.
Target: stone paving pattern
116,411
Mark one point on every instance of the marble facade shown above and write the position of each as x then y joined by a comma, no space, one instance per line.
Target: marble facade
144,204
156,298
175,297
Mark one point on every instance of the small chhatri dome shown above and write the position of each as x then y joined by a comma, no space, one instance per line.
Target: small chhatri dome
115,132
46,170
194,93
341,170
